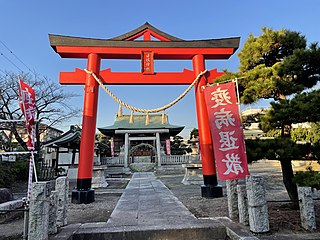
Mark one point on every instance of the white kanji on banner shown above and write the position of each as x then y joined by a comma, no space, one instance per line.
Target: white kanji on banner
233,164
226,131
224,118
27,103
227,141
220,97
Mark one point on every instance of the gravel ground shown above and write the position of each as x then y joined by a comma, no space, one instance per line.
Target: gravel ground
282,218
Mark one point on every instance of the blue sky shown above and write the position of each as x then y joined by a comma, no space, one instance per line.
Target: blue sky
25,26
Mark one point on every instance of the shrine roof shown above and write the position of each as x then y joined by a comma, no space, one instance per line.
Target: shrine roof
69,139
139,123
131,40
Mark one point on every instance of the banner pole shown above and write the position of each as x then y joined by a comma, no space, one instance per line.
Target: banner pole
34,168
30,179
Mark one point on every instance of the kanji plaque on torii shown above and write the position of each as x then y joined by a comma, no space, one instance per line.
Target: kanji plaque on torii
128,46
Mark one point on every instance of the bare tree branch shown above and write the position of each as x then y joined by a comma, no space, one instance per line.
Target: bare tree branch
52,102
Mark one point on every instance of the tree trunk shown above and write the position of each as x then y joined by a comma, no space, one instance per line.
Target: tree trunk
18,138
287,175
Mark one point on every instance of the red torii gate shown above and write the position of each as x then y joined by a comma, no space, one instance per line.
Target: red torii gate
128,46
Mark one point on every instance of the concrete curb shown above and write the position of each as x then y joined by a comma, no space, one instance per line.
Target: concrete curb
234,230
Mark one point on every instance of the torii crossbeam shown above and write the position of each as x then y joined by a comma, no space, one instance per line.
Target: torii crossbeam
148,44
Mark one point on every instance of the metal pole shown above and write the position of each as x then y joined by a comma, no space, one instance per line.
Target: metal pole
25,220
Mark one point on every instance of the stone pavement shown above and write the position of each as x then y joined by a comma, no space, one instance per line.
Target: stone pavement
148,202
147,210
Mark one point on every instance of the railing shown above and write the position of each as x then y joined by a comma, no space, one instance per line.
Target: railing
112,161
165,160
46,173
178,159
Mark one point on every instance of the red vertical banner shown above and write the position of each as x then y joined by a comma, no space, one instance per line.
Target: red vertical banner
27,101
226,131
147,62
168,147
112,147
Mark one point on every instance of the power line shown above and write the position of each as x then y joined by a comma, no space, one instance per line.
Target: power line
10,61
15,55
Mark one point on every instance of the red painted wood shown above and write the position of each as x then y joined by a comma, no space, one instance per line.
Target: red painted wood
147,36
135,78
89,119
206,148
135,53
147,33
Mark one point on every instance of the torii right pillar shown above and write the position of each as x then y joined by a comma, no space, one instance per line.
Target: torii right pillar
210,189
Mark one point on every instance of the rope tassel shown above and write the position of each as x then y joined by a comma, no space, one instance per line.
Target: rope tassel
131,118
147,119
163,119
120,111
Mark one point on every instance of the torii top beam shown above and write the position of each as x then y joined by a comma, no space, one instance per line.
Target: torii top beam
128,46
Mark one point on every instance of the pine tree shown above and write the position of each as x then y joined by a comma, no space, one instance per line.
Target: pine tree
275,65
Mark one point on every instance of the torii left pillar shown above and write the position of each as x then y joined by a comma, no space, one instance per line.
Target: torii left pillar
83,192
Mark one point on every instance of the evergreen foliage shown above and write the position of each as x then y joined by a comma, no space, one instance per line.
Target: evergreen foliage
274,65
11,172
309,178
178,147
283,149
194,133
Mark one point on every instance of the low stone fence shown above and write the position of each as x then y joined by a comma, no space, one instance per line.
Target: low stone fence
247,204
165,160
48,208
112,161
9,210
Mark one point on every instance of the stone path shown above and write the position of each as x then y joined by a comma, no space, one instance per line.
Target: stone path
148,202
147,210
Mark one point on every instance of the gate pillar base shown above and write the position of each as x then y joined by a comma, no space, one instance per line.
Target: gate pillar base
211,191
82,196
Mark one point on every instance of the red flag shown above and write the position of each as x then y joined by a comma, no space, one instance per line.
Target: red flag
27,102
226,131
168,147
112,147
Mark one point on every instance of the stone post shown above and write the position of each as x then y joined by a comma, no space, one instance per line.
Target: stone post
232,199
257,204
53,212
62,187
243,205
39,211
158,148
306,204
126,150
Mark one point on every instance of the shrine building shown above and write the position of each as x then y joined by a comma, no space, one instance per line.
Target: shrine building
141,137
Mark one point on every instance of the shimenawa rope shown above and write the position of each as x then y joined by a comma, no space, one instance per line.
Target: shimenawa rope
135,109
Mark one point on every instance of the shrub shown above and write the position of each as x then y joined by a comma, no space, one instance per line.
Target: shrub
11,172
7,175
309,178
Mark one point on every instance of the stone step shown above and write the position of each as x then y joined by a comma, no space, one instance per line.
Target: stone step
204,231
142,167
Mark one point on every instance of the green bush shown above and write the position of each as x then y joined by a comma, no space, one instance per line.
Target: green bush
21,168
309,178
11,172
